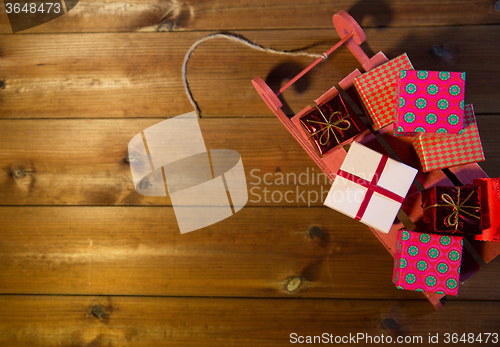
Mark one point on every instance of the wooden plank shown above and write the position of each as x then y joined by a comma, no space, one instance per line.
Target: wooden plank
139,251
82,162
491,152
258,252
139,74
153,15
130,321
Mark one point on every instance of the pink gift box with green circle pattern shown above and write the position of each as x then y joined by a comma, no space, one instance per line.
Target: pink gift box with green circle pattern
429,102
427,262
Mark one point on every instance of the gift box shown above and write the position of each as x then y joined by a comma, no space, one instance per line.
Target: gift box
490,209
427,262
440,152
370,187
429,102
455,210
377,88
329,125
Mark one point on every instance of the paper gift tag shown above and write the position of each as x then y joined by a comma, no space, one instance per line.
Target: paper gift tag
348,196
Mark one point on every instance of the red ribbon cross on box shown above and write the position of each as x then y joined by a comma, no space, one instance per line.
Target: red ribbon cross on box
371,186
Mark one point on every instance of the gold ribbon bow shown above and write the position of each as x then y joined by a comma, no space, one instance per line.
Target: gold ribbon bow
452,219
330,126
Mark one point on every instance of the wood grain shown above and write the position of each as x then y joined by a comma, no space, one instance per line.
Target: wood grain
87,261
82,162
491,151
139,74
255,253
129,321
155,15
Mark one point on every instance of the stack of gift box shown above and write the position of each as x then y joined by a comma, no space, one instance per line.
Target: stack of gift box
370,187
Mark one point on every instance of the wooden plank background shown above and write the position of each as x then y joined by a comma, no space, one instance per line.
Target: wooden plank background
86,261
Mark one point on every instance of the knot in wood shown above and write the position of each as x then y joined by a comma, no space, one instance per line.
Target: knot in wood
18,173
132,157
438,51
497,6
315,232
97,311
145,184
391,323
293,284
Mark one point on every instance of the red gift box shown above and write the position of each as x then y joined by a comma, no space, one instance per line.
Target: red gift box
454,210
329,125
427,262
490,208
429,102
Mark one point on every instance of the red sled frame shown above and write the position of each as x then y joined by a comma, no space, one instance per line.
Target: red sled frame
352,36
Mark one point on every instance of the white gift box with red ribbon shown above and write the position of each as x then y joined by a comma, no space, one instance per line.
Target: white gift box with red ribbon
370,187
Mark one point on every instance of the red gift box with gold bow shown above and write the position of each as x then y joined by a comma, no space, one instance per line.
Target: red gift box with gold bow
453,210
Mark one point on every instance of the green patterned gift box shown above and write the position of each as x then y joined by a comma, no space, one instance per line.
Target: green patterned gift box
377,88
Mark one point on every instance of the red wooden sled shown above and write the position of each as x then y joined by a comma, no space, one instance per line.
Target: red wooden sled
353,36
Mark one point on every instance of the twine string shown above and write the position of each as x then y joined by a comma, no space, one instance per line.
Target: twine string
241,40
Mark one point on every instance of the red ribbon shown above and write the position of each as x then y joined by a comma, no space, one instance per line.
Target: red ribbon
371,186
